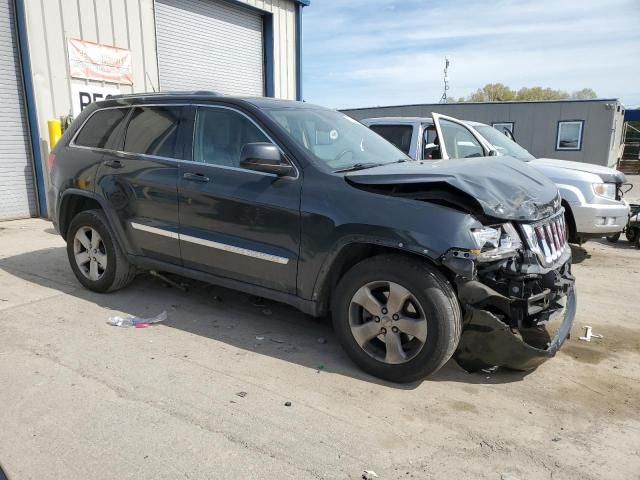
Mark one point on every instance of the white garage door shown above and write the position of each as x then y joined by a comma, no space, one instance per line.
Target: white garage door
209,45
17,194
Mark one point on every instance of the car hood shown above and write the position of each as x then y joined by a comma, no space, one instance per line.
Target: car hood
608,175
503,187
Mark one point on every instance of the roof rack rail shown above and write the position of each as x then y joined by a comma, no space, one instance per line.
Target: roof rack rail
174,92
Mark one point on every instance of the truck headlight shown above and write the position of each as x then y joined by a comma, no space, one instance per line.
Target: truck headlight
606,190
496,243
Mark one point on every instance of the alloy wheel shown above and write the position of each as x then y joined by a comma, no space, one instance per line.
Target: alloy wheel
90,253
388,322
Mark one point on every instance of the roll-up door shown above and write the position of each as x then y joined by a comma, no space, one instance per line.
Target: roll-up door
17,192
209,45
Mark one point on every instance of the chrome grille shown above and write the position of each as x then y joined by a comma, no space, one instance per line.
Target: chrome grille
548,238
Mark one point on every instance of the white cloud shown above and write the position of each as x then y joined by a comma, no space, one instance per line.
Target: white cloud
359,55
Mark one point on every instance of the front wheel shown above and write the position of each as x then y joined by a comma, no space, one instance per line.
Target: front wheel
397,318
614,238
95,257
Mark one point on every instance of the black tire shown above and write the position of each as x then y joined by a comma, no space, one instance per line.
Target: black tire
436,297
614,238
631,234
118,272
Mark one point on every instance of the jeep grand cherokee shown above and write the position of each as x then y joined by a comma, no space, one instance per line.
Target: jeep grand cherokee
416,262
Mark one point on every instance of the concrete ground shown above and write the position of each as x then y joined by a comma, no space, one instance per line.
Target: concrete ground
202,396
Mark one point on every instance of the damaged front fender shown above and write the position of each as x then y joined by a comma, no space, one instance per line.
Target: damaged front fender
487,341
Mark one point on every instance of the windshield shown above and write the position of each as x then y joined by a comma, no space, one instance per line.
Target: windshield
503,144
334,138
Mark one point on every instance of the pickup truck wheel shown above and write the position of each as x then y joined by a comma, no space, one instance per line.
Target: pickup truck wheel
397,318
95,258
631,234
614,238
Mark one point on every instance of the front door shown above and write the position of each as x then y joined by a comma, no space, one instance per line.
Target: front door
236,223
139,179
455,139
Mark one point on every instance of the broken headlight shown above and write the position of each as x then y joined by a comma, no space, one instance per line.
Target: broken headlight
496,242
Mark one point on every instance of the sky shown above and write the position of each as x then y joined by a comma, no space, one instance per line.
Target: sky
363,53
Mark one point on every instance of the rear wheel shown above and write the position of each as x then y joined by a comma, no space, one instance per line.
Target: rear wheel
631,234
95,257
397,318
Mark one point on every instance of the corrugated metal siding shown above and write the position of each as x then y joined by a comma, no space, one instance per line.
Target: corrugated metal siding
284,44
17,192
210,45
126,24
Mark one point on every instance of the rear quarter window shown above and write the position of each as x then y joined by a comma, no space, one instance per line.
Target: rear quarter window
101,128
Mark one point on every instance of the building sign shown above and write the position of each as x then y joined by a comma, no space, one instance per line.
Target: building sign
93,61
82,95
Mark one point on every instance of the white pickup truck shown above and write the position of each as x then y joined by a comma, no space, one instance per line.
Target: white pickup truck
591,194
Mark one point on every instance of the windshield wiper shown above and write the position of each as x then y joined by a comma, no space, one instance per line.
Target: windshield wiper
358,166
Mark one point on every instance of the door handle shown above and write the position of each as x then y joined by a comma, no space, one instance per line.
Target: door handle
113,163
195,177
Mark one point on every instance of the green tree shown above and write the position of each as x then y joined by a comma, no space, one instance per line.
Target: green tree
584,94
492,92
539,93
498,92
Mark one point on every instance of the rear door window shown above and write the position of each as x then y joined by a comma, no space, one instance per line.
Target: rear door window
399,135
101,129
154,131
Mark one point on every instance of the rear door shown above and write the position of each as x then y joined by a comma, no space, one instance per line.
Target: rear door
237,223
403,136
456,139
139,180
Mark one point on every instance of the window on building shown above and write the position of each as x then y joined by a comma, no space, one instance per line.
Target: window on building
100,130
154,131
220,135
399,135
570,135
501,126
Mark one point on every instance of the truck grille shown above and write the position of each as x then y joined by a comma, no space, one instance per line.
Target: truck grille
548,238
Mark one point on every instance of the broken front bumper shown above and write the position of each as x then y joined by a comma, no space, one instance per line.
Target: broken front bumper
488,341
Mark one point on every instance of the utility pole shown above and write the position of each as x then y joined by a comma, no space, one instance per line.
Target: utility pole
443,99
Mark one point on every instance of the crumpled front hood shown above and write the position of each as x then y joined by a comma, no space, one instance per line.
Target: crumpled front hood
504,187
608,175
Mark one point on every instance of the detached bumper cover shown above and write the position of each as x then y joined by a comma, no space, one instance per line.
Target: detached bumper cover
488,341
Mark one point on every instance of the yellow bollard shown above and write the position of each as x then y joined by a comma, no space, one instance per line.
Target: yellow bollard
55,132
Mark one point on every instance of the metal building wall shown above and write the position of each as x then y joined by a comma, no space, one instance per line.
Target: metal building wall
535,124
122,23
17,190
284,44
126,24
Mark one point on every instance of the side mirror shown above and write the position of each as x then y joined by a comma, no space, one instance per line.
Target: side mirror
509,133
264,157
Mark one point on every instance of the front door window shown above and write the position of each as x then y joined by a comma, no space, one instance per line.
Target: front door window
458,141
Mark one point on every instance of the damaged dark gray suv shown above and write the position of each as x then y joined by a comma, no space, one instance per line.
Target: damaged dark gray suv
415,261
